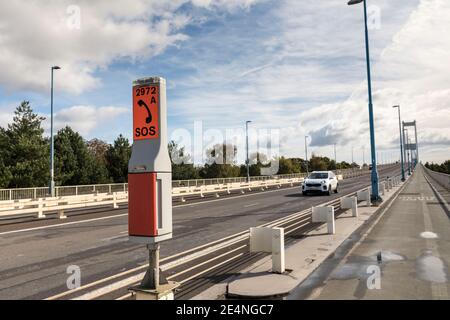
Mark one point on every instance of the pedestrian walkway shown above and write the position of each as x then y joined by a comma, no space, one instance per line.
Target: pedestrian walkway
406,255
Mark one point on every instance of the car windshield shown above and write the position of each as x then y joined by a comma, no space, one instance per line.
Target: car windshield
318,175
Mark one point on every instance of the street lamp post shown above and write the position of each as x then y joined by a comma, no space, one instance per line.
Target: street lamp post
405,147
401,142
52,146
247,161
375,197
306,155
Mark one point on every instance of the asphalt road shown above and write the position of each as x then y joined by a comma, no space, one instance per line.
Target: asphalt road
410,246
35,255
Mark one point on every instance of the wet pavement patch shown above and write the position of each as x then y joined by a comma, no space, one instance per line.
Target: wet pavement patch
357,266
431,268
388,256
351,271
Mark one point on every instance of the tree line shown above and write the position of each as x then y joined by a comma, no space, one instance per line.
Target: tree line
25,158
25,155
443,167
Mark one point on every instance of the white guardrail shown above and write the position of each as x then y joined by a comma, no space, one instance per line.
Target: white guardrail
38,207
73,197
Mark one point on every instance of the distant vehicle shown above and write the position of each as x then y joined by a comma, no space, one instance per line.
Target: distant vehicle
370,167
320,182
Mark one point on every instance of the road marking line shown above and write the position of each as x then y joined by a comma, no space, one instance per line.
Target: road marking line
128,295
206,262
109,288
86,286
211,268
251,205
63,224
234,197
137,278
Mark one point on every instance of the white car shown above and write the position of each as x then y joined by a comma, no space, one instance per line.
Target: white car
320,182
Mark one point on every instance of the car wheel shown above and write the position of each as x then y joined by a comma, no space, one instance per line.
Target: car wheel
305,193
337,189
329,190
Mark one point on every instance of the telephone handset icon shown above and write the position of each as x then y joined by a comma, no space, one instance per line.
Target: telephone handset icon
149,119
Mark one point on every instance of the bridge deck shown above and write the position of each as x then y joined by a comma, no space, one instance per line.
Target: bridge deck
414,240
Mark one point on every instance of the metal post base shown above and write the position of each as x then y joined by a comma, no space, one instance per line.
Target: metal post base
164,292
149,282
154,286
376,201
153,277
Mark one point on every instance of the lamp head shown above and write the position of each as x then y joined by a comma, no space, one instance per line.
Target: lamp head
352,2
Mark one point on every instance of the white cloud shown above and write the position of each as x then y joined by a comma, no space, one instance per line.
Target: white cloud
300,67
412,70
85,119
308,74
6,115
35,35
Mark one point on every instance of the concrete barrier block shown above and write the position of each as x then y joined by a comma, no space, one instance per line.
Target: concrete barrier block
278,258
269,240
350,203
261,239
382,187
325,214
364,196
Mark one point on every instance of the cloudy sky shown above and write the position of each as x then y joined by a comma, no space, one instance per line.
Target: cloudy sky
288,65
